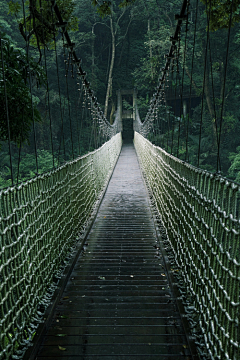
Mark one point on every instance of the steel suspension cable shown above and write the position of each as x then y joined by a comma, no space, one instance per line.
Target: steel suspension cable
178,84
169,108
224,85
176,80
47,84
68,98
59,92
175,101
183,74
49,106
203,87
191,78
214,104
19,160
162,118
76,112
60,103
7,112
83,113
30,83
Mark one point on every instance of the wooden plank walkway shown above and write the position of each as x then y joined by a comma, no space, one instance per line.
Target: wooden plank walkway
118,304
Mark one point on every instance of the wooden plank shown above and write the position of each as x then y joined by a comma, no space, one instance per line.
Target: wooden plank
118,303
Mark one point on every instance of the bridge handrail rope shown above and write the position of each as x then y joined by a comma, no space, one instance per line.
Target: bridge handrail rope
40,221
200,212
200,215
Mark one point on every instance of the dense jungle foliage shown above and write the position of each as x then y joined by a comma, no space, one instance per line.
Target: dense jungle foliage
122,45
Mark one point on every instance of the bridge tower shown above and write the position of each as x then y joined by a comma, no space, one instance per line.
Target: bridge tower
127,116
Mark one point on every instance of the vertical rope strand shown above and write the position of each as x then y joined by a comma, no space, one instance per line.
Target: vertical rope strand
30,85
203,86
59,95
68,98
76,111
214,104
48,96
224,85
182,84
191,79
7,112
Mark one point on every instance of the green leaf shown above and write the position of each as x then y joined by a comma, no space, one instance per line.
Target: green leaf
61,348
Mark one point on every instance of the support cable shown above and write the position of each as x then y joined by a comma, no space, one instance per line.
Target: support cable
48,96
182,85
158,132
60,103
162,119
30,85
19,160
19,154
214,104
68,98
191,79
224,85
83,115
175,101
203,87
178,86
7,113
49,107
169,112
76,114
79,122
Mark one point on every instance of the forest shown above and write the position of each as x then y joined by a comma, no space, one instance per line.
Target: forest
122,45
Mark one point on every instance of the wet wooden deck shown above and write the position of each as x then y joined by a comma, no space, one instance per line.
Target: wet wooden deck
118,304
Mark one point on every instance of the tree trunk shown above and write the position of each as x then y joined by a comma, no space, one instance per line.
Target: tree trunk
109,85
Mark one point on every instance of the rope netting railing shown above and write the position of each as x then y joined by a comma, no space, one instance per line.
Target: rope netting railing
183,146
200,213
40,221
61,151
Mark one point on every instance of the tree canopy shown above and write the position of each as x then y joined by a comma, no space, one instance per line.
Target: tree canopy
17,70
126,48
104,8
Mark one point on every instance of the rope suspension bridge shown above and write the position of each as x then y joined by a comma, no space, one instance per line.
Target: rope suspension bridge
119,253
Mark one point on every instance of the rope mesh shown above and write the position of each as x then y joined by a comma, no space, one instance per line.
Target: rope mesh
200,212
39,220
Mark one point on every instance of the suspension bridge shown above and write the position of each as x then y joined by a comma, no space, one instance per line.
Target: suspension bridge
129,251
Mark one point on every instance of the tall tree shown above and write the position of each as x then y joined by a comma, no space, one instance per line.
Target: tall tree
114,20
